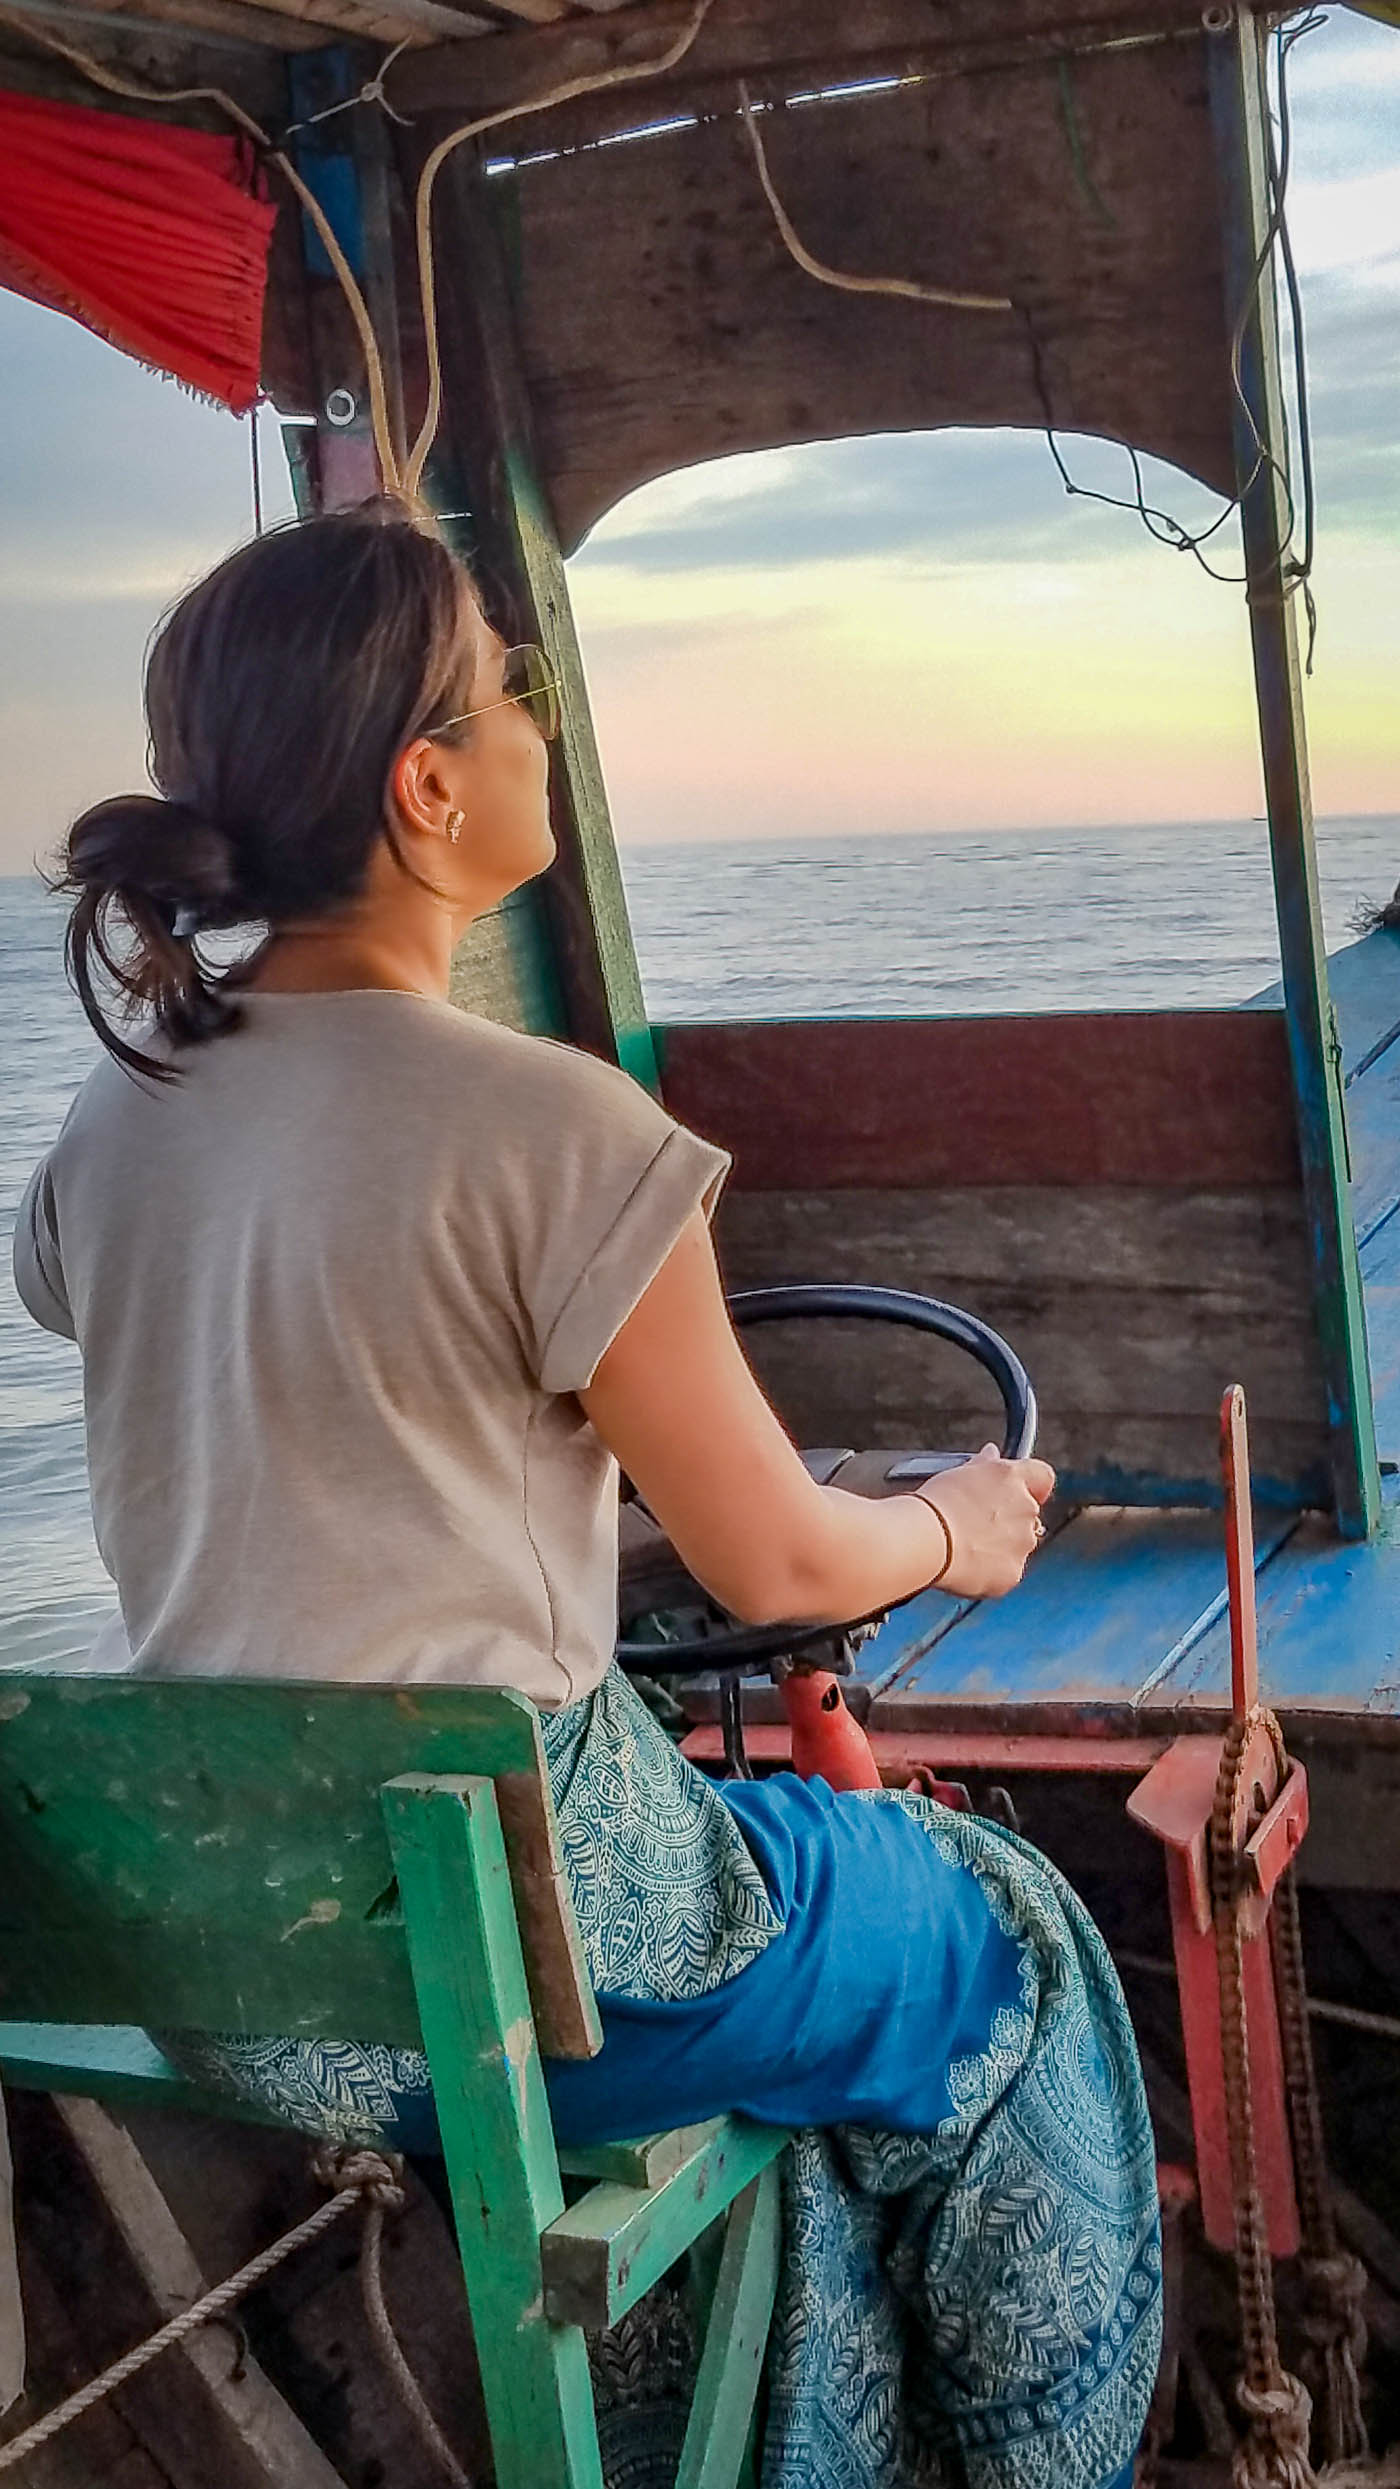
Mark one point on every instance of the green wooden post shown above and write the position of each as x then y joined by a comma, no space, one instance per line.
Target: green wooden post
469,1973
1240,106
511,537
717,2437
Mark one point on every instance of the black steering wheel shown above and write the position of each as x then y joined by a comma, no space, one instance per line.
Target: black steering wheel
742,1649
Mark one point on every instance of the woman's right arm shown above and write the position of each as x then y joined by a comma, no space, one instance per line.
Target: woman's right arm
675,1399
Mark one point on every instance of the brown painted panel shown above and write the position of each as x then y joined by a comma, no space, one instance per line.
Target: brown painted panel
712,340
1196,1099
1131,1308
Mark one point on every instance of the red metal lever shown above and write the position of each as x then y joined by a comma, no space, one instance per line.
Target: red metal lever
1176,1801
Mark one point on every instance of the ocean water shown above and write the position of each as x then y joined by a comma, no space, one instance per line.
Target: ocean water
1068,920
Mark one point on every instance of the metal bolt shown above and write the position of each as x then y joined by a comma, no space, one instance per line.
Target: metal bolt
341,408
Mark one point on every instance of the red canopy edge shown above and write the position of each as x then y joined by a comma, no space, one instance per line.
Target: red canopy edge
155,238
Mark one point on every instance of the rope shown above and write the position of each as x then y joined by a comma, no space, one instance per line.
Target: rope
1334,2283
372,92
373,2179
594,83
906,288
137,91
408,479
1320,2008
390,2351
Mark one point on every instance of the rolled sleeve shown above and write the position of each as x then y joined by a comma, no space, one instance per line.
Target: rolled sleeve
38,1263
684,1175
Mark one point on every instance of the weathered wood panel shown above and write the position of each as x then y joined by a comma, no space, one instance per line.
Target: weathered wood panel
1196,1099
776,45
714,340
1101,1607
1329,1629
1131,1307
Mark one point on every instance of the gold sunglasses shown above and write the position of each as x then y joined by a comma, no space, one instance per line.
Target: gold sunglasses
528,683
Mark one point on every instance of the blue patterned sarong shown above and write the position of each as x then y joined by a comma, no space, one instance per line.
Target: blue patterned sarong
970,2291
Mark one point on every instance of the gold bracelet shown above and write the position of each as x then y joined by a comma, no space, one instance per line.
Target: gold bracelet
941,1516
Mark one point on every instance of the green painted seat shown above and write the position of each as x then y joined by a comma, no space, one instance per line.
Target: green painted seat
378,1865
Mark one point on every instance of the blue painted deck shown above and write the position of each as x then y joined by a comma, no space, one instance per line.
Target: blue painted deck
1123,1612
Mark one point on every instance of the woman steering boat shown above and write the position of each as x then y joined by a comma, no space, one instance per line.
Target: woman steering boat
373,1297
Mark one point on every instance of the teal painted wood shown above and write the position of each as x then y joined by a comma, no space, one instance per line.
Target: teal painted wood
1105,1603
1240,108
741,2311
213,1855
488,429
1380,1270
1329,1628
1373,1121
911,1631
126,2068
647,2162
121,2067
606,2251
497,2140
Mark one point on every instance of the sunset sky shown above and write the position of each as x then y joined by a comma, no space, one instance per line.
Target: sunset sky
904,633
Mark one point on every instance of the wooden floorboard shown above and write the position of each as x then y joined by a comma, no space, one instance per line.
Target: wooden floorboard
1104,1605
1329,1628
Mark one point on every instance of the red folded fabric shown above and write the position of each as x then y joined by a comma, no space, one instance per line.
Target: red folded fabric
152,236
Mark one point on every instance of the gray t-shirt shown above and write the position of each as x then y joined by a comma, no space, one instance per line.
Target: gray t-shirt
335,1289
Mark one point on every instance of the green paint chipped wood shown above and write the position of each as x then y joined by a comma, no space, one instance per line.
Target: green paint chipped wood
741,2311
605,2252
509,533
381,1864
497,2140
174,1853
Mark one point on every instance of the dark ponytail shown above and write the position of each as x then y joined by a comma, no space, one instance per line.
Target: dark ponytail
279,693
141,868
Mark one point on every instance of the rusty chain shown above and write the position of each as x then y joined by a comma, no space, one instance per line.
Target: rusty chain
1277,2406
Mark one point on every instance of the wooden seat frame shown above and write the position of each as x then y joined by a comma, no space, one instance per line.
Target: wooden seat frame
384,1864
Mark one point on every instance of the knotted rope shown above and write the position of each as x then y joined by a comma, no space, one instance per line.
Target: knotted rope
356,2177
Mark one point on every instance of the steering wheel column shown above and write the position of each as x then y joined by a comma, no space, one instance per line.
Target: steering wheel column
807,1660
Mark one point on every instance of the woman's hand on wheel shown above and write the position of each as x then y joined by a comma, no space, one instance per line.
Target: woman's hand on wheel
991,1509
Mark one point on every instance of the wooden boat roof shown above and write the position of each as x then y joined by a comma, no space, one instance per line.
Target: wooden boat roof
1055,152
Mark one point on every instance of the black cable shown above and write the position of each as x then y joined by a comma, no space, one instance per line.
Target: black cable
1160,524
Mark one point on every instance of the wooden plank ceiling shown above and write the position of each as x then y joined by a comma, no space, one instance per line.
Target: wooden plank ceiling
292,25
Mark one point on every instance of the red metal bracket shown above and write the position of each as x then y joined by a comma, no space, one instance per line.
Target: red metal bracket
1175,1802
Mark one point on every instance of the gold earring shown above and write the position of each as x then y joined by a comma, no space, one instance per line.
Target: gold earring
454,826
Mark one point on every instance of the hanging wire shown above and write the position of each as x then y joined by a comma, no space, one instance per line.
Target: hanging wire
372,92
1161,525
1301,514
